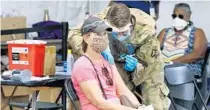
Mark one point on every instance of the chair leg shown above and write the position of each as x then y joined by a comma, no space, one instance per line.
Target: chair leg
59,96
76,107
172,101
10,107
201,97
74,104
194,104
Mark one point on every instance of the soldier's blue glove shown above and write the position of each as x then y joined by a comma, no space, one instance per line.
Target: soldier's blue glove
108,56
130,63
131,48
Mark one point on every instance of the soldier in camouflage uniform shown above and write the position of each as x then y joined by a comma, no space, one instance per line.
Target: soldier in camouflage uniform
149,72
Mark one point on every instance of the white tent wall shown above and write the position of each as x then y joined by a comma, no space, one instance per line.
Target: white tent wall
71,11
200,14
74,11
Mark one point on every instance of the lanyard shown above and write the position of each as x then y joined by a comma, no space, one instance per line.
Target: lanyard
151,5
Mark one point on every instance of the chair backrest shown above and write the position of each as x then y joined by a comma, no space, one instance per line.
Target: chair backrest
176,74
183,91
71,93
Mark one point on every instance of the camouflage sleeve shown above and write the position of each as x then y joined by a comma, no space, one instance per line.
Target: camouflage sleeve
75,41
140,34
150,52
149,55
144,28
142,17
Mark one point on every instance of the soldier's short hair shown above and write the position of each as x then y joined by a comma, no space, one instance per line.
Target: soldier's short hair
118,15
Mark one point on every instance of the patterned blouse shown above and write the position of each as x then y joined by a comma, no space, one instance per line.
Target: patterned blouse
177,45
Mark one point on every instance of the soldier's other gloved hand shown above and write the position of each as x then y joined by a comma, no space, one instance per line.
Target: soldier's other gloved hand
108,56
130,63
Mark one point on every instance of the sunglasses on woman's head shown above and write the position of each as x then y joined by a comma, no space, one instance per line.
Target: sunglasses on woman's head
179,16
105,72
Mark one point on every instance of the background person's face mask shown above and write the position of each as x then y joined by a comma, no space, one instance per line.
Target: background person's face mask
179,24
99,44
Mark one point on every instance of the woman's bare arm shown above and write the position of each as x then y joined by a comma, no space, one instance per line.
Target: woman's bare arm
199,48
122,88
93,93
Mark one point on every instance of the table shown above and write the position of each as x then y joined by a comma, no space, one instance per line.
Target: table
53,81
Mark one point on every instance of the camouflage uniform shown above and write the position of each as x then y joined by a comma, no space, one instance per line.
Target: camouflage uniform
75,42
150,70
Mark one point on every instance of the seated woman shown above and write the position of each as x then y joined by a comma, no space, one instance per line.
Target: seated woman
183,43
97,83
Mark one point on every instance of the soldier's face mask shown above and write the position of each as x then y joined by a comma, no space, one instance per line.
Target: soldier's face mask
121,36
98,41
121,33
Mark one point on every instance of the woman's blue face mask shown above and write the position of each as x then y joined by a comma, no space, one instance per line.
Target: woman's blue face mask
121,36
